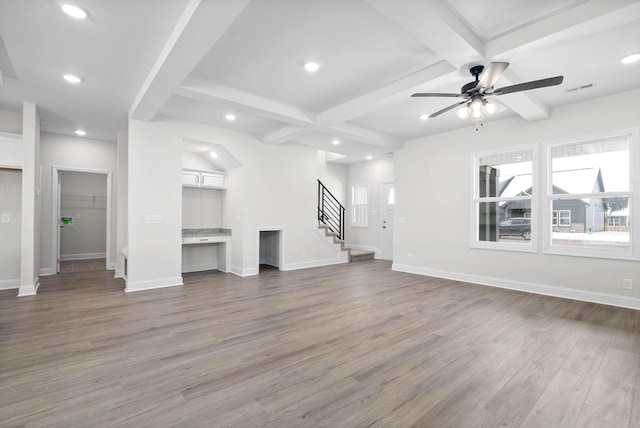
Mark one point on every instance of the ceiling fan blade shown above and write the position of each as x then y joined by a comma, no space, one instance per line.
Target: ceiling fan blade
535,84
446,109
491,74
426,94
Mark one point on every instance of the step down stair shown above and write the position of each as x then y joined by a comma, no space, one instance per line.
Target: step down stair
360,255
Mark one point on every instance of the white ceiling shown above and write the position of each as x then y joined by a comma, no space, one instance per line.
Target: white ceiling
201,59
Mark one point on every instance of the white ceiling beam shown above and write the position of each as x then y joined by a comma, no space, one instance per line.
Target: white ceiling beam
526,104
594,12
455,41
287,134
384,96
365,135
243,102
198,29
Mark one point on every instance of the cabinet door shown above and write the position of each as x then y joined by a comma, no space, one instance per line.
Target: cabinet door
190,178
212,180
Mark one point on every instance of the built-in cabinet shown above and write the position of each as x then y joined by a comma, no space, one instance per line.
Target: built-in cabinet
206,179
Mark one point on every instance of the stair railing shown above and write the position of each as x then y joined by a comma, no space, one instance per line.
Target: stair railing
330,211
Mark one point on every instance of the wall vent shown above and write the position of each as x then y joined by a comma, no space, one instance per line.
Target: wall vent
580,88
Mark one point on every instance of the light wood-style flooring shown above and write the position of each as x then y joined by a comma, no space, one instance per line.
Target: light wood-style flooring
352,345
90,265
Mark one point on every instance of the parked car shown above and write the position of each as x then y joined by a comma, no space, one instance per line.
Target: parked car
515,227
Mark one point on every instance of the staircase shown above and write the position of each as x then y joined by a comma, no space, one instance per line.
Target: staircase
331,218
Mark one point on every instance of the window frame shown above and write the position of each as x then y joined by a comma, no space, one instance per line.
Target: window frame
359,206
542,199
547,197
560,224
527,246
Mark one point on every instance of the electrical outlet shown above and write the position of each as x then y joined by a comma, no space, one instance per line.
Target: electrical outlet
627,284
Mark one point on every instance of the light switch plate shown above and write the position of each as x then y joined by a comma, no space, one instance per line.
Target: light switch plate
153,219
6,218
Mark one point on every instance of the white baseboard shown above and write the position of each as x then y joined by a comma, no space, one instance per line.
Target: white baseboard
29,289
47,271
84,256
377,252
199,267
9,284
236,270
546,290
315,263
153,284
119,273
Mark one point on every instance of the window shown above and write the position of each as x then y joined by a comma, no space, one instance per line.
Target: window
584,199
503,199
359,205
561,218
589,187
615,221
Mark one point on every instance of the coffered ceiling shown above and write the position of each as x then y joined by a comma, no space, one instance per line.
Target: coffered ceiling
200,60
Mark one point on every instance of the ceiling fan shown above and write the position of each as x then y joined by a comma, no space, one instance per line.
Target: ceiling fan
476,104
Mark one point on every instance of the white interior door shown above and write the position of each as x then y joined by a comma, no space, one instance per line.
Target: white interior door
388,204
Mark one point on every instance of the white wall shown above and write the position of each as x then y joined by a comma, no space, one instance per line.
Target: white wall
202,208
155,215
121,187
433,191
334,177
372,173
196,161
74,153
275,187
10,122
10,204
31,202
83,196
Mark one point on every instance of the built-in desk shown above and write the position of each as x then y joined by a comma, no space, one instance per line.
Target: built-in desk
209,257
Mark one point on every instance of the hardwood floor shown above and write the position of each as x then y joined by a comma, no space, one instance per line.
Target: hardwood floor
90,265
338,346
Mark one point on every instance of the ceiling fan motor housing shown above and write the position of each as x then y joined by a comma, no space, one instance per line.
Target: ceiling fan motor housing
475,71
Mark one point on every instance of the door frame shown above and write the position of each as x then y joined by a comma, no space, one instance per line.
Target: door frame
281,252
383,205
55,221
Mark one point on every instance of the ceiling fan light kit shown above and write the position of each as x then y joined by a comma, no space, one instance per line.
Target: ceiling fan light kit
476,104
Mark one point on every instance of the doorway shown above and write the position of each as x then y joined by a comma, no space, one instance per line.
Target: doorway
270,255
387,202
81,219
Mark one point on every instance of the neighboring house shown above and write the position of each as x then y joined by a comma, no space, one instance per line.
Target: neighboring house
571,215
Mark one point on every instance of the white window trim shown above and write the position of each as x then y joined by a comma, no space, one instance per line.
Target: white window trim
353,207
630,253
560,218
530,246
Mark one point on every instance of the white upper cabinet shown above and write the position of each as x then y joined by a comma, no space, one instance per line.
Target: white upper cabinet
212,179
205,179
190,178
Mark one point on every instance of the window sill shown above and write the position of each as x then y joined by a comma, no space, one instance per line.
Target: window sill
526,247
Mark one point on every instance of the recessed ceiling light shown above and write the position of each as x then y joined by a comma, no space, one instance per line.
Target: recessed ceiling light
630,59
74,10
230,117
213,155
72,78
369,157
423,117
312,66
81,132
335,142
